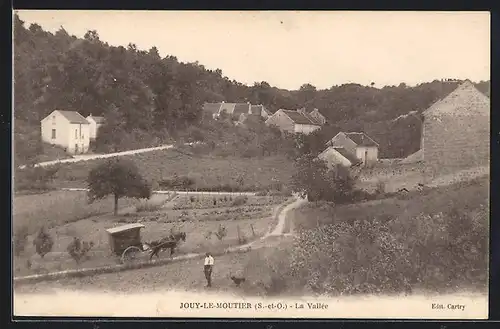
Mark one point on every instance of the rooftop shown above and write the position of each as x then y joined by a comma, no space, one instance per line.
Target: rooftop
73,117
301,118
361,139
465,100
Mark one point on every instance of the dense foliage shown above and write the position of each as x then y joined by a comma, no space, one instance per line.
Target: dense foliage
117,177
313,178
437,241
149,99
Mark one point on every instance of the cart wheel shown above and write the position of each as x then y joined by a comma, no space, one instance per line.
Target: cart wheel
130,254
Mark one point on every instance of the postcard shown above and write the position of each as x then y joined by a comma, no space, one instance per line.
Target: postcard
253,164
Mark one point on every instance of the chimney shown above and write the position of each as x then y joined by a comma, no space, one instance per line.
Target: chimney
302,110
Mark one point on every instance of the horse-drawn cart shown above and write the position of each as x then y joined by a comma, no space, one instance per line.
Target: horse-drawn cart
125,242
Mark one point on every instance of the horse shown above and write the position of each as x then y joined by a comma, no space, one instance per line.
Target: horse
169,242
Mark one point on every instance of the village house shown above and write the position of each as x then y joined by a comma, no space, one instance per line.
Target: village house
334,155
237,111
95,123
298,121
456,132
67,129
351,148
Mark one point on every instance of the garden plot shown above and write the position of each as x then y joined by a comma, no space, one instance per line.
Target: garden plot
212,229
223,201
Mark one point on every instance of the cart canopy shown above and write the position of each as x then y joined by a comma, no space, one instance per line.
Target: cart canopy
124,228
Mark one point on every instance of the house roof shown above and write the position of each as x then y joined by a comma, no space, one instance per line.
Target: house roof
73,117
211,107
346,154
301,118
361,139
98,119
240,108
227,107
124,228
465,100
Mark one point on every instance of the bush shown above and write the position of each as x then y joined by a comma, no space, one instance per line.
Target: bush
43,242
380,187
239,200
221,232
390,255
20,239
78,250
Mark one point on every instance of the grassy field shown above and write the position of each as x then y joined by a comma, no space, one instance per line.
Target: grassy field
58,207
206,171
243,223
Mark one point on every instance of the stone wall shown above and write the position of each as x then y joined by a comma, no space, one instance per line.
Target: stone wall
452,143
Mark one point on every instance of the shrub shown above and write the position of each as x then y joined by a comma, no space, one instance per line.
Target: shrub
78,250
380,187
221,232
192,198
43,242
387,254
20,239
239,200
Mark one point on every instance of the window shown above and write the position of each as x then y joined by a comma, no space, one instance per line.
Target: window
53,134
53,120
76,133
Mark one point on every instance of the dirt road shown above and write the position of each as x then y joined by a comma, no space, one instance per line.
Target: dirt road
86,157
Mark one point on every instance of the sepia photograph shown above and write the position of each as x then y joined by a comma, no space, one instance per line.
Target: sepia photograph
251,164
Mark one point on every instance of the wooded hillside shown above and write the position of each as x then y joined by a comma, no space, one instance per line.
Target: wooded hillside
148,99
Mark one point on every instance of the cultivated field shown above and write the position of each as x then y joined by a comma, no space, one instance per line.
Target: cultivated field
242,218
207,171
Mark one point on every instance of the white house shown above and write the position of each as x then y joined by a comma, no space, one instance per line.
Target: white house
357,144
67,129
95,123
295,121
338,156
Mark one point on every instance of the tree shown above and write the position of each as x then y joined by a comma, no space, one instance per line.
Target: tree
315,180
308,179
117,177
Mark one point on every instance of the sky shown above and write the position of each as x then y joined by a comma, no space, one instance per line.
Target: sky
289,48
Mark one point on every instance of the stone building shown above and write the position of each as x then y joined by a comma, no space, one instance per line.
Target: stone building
456,132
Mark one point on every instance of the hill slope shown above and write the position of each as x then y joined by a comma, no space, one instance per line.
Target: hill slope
148,99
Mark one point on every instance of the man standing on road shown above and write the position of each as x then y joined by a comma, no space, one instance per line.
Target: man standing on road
209,264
